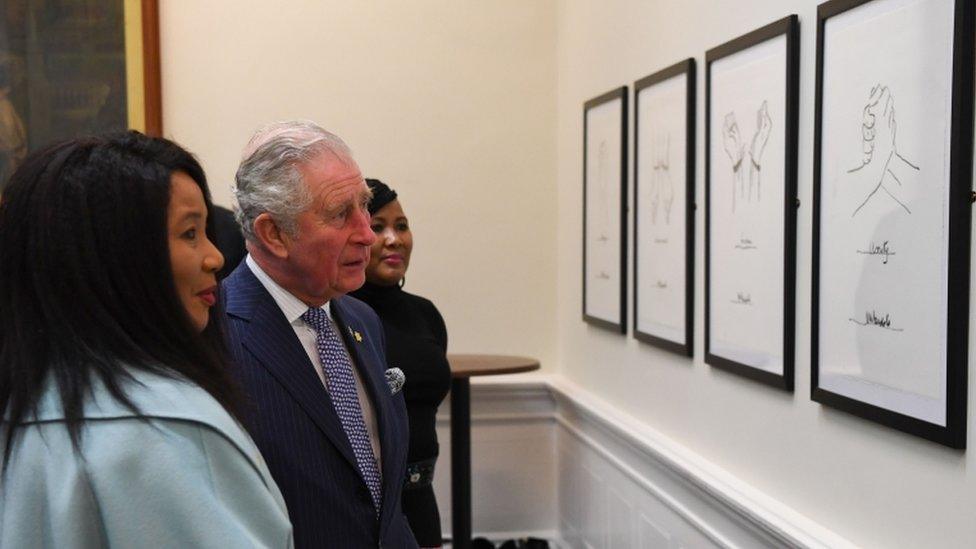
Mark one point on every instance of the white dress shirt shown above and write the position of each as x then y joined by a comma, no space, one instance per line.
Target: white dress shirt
293,309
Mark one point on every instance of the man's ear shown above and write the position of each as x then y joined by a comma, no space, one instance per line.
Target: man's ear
271,237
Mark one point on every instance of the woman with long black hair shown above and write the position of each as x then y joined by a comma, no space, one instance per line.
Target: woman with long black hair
118,426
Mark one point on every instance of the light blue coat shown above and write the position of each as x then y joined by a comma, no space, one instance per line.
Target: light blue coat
190,476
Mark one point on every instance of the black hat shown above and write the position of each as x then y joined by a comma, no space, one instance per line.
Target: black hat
382,195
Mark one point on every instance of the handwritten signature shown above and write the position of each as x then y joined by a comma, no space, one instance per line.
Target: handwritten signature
742,298
876,249
873,318
745,244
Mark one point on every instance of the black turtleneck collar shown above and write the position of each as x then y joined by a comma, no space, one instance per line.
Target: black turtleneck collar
374,294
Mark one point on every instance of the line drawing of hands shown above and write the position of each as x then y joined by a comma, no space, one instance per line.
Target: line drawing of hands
662,189
880,157
732,141
764,126
603,190
869,128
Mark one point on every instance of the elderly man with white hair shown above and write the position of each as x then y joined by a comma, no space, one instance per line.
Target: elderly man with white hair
311,360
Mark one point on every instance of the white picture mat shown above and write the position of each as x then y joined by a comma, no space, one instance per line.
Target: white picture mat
603,238
747,254
661,208
884,257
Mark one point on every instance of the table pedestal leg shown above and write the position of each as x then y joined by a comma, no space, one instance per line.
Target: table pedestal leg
461,463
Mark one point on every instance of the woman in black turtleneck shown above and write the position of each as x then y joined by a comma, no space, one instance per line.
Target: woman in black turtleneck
416,342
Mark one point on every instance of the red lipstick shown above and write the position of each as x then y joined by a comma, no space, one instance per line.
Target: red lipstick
209,296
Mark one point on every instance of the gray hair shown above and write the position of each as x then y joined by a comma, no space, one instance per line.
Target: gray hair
269,177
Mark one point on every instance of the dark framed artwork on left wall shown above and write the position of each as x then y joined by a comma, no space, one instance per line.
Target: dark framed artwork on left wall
70,68
605,210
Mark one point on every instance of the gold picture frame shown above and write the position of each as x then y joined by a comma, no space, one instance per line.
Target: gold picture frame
145,109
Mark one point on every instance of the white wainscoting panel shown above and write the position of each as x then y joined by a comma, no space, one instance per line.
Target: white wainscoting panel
551,460
513,446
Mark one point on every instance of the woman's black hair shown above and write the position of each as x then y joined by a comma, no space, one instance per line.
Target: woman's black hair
86,284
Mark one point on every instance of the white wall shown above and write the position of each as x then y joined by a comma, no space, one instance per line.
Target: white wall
452,104
868,483
473,111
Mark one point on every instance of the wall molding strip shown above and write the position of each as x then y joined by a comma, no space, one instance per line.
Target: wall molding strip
724,509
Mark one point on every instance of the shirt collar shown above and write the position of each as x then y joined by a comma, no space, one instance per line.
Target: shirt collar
292,307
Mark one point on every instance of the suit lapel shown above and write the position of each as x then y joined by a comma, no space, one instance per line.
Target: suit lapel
272,341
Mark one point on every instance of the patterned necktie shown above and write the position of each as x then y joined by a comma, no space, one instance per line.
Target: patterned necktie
342,389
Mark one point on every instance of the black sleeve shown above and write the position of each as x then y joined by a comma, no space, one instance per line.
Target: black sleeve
437,324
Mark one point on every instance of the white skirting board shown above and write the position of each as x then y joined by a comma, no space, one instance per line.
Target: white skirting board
551,460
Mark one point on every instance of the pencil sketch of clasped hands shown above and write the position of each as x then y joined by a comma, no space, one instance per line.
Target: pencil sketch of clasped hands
881,162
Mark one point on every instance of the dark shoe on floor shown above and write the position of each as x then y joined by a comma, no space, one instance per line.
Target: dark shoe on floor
481,543
525,543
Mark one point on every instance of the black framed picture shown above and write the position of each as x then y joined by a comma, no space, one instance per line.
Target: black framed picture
605,210
893,153
750,194
664,209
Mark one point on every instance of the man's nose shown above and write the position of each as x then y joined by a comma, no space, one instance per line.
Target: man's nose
364,231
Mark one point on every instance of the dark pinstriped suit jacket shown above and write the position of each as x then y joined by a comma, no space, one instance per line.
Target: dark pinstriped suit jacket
291,418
